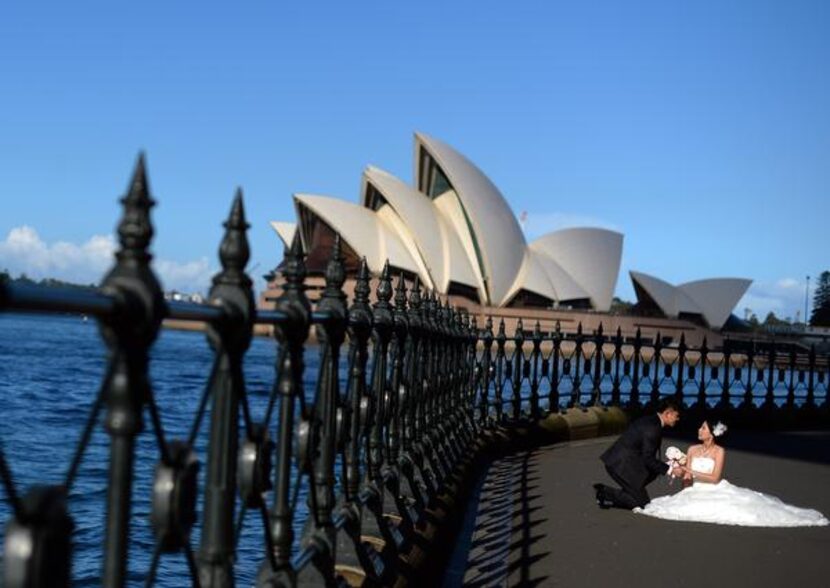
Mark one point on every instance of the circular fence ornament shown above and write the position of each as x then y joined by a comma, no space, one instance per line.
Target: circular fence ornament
37,550
254,467
302,449
174,497
342,432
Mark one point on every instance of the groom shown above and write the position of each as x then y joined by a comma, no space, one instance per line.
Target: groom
632,461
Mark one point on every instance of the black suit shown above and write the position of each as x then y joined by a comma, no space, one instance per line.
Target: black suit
633,463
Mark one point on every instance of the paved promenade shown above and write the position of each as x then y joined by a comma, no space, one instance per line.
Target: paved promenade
535,523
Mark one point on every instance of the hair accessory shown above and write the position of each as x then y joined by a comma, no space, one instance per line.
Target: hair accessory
719,429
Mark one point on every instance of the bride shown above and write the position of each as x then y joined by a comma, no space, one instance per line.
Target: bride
709,498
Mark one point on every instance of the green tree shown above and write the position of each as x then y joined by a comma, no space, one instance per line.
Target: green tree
619,306
820,316
773,321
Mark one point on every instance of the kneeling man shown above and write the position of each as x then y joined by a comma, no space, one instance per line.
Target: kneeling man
633,461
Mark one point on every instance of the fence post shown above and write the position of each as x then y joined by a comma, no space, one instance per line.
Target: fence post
634,399
615,391
599,356
518,361
486,372
681,361
381,332
399,384
748,404
473,377
232,290
331,332
377,457
129,335
727,367
576,393
769,399
419,330
791,385
360,329
701,390
810,402
655,378
351,548
534,384
292,335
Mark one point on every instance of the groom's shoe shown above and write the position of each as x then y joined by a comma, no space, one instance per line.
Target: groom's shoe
602,498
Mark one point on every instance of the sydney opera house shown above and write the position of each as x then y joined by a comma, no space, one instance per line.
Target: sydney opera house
455,231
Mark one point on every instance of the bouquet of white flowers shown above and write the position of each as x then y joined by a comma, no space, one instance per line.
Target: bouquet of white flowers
676,458
673,454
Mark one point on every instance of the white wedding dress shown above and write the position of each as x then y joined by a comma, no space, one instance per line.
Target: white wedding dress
727,504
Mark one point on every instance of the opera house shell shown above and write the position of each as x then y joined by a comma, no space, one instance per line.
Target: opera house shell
455,231
709,300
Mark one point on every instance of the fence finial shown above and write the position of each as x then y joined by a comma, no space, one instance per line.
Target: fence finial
135,230
384,290
234,251
362,288
335,272
294,269
400,293
415,294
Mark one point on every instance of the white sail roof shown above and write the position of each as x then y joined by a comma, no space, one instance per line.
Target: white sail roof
563,284
496,235
660,291
712,298
438,246
716,297
453,218
532,277
590,256
361,229
286,231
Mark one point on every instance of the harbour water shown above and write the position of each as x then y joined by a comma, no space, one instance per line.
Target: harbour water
51,369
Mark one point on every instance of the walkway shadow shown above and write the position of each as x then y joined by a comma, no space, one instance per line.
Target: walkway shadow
503,549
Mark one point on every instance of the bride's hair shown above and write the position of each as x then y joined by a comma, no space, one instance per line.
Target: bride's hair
717,428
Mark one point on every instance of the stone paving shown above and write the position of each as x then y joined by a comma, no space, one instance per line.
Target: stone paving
535,523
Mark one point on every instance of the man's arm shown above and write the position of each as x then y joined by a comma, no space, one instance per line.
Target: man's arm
651,444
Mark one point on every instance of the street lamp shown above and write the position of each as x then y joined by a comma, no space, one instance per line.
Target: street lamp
806,300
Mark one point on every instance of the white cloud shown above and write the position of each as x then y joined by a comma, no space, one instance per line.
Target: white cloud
784,297
23,251
788,283
538,224
191,276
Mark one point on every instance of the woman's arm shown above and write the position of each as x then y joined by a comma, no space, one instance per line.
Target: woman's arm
687,472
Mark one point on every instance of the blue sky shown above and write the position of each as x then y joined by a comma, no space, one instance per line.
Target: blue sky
701,130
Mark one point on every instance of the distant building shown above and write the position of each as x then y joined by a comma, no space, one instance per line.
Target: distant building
177,296
455,231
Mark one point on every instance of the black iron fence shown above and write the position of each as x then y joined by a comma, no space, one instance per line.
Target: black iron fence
531,373
378,448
